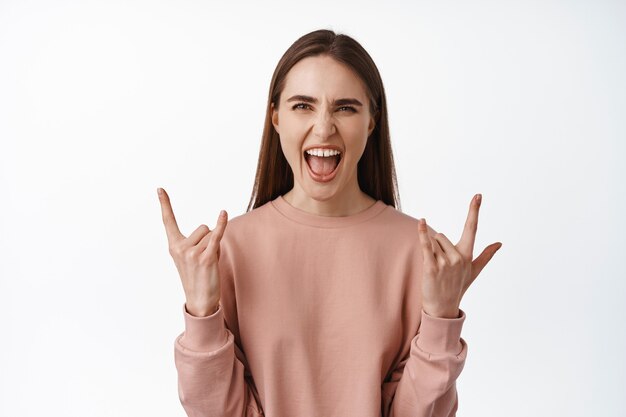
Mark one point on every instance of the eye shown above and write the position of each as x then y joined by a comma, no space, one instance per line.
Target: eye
299,104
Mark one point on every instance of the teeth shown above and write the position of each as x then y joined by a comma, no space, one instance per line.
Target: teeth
322,152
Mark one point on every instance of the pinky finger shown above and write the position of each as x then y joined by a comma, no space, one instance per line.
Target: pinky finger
425,243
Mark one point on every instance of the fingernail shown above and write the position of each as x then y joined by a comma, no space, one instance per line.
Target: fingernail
222,213
159,191
479,197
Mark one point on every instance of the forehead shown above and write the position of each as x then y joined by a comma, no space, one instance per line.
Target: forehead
323,77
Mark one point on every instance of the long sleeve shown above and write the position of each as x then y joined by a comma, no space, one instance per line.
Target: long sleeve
211,379
424,383
214,377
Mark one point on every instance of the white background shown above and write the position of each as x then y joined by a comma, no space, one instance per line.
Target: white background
101,102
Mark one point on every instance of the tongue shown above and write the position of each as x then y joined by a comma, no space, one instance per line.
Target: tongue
322,165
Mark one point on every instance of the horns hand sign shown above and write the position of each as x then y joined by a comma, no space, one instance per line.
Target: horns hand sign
449,269
196,258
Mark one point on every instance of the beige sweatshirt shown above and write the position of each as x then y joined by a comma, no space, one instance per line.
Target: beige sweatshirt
320,316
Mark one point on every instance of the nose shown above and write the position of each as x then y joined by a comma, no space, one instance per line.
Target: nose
324,125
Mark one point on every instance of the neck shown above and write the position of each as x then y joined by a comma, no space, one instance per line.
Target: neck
344,204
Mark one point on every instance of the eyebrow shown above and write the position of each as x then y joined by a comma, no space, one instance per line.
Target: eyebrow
313,100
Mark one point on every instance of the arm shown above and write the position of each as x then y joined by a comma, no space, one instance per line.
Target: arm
424,384
211,379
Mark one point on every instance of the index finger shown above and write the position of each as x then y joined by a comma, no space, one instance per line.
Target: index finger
169,220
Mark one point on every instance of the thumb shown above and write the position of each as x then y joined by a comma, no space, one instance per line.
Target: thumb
481,261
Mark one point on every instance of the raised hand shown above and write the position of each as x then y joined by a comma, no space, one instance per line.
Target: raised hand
196,258
449,269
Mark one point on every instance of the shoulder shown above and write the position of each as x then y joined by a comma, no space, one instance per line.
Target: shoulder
241,232
248,223
391,234
400,221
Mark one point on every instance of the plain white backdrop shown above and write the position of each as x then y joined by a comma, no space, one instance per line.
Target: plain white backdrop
101,102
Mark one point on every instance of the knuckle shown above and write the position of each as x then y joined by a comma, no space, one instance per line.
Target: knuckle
215,239
430,270
175,250
204,259
211,247
209,257
191,254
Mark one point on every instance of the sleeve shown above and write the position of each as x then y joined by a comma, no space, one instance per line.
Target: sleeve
213,374
424,383
210,377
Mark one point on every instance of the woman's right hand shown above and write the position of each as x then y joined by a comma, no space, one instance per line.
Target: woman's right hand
196,258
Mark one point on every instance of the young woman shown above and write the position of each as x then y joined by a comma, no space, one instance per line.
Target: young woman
323,299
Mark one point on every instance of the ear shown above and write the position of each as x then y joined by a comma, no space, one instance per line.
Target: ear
371,126
274,116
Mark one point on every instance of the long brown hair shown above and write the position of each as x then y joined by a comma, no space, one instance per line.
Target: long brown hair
375,170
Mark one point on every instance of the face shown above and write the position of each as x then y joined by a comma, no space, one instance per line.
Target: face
323,118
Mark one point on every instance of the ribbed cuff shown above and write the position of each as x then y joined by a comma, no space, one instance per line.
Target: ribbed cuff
440,335
204,334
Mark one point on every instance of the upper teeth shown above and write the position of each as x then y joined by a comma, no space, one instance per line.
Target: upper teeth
322,152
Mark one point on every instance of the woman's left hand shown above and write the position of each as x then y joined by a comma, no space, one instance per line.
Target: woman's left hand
449,269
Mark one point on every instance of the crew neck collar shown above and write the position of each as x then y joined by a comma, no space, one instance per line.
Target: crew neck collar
316,220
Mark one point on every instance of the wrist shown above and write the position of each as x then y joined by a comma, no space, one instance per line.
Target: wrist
448,313
202,310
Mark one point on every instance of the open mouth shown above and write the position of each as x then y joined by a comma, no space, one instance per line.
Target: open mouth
322,168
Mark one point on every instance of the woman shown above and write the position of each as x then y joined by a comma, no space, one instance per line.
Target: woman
322,299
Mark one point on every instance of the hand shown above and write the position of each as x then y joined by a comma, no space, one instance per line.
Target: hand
196,258
449,269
